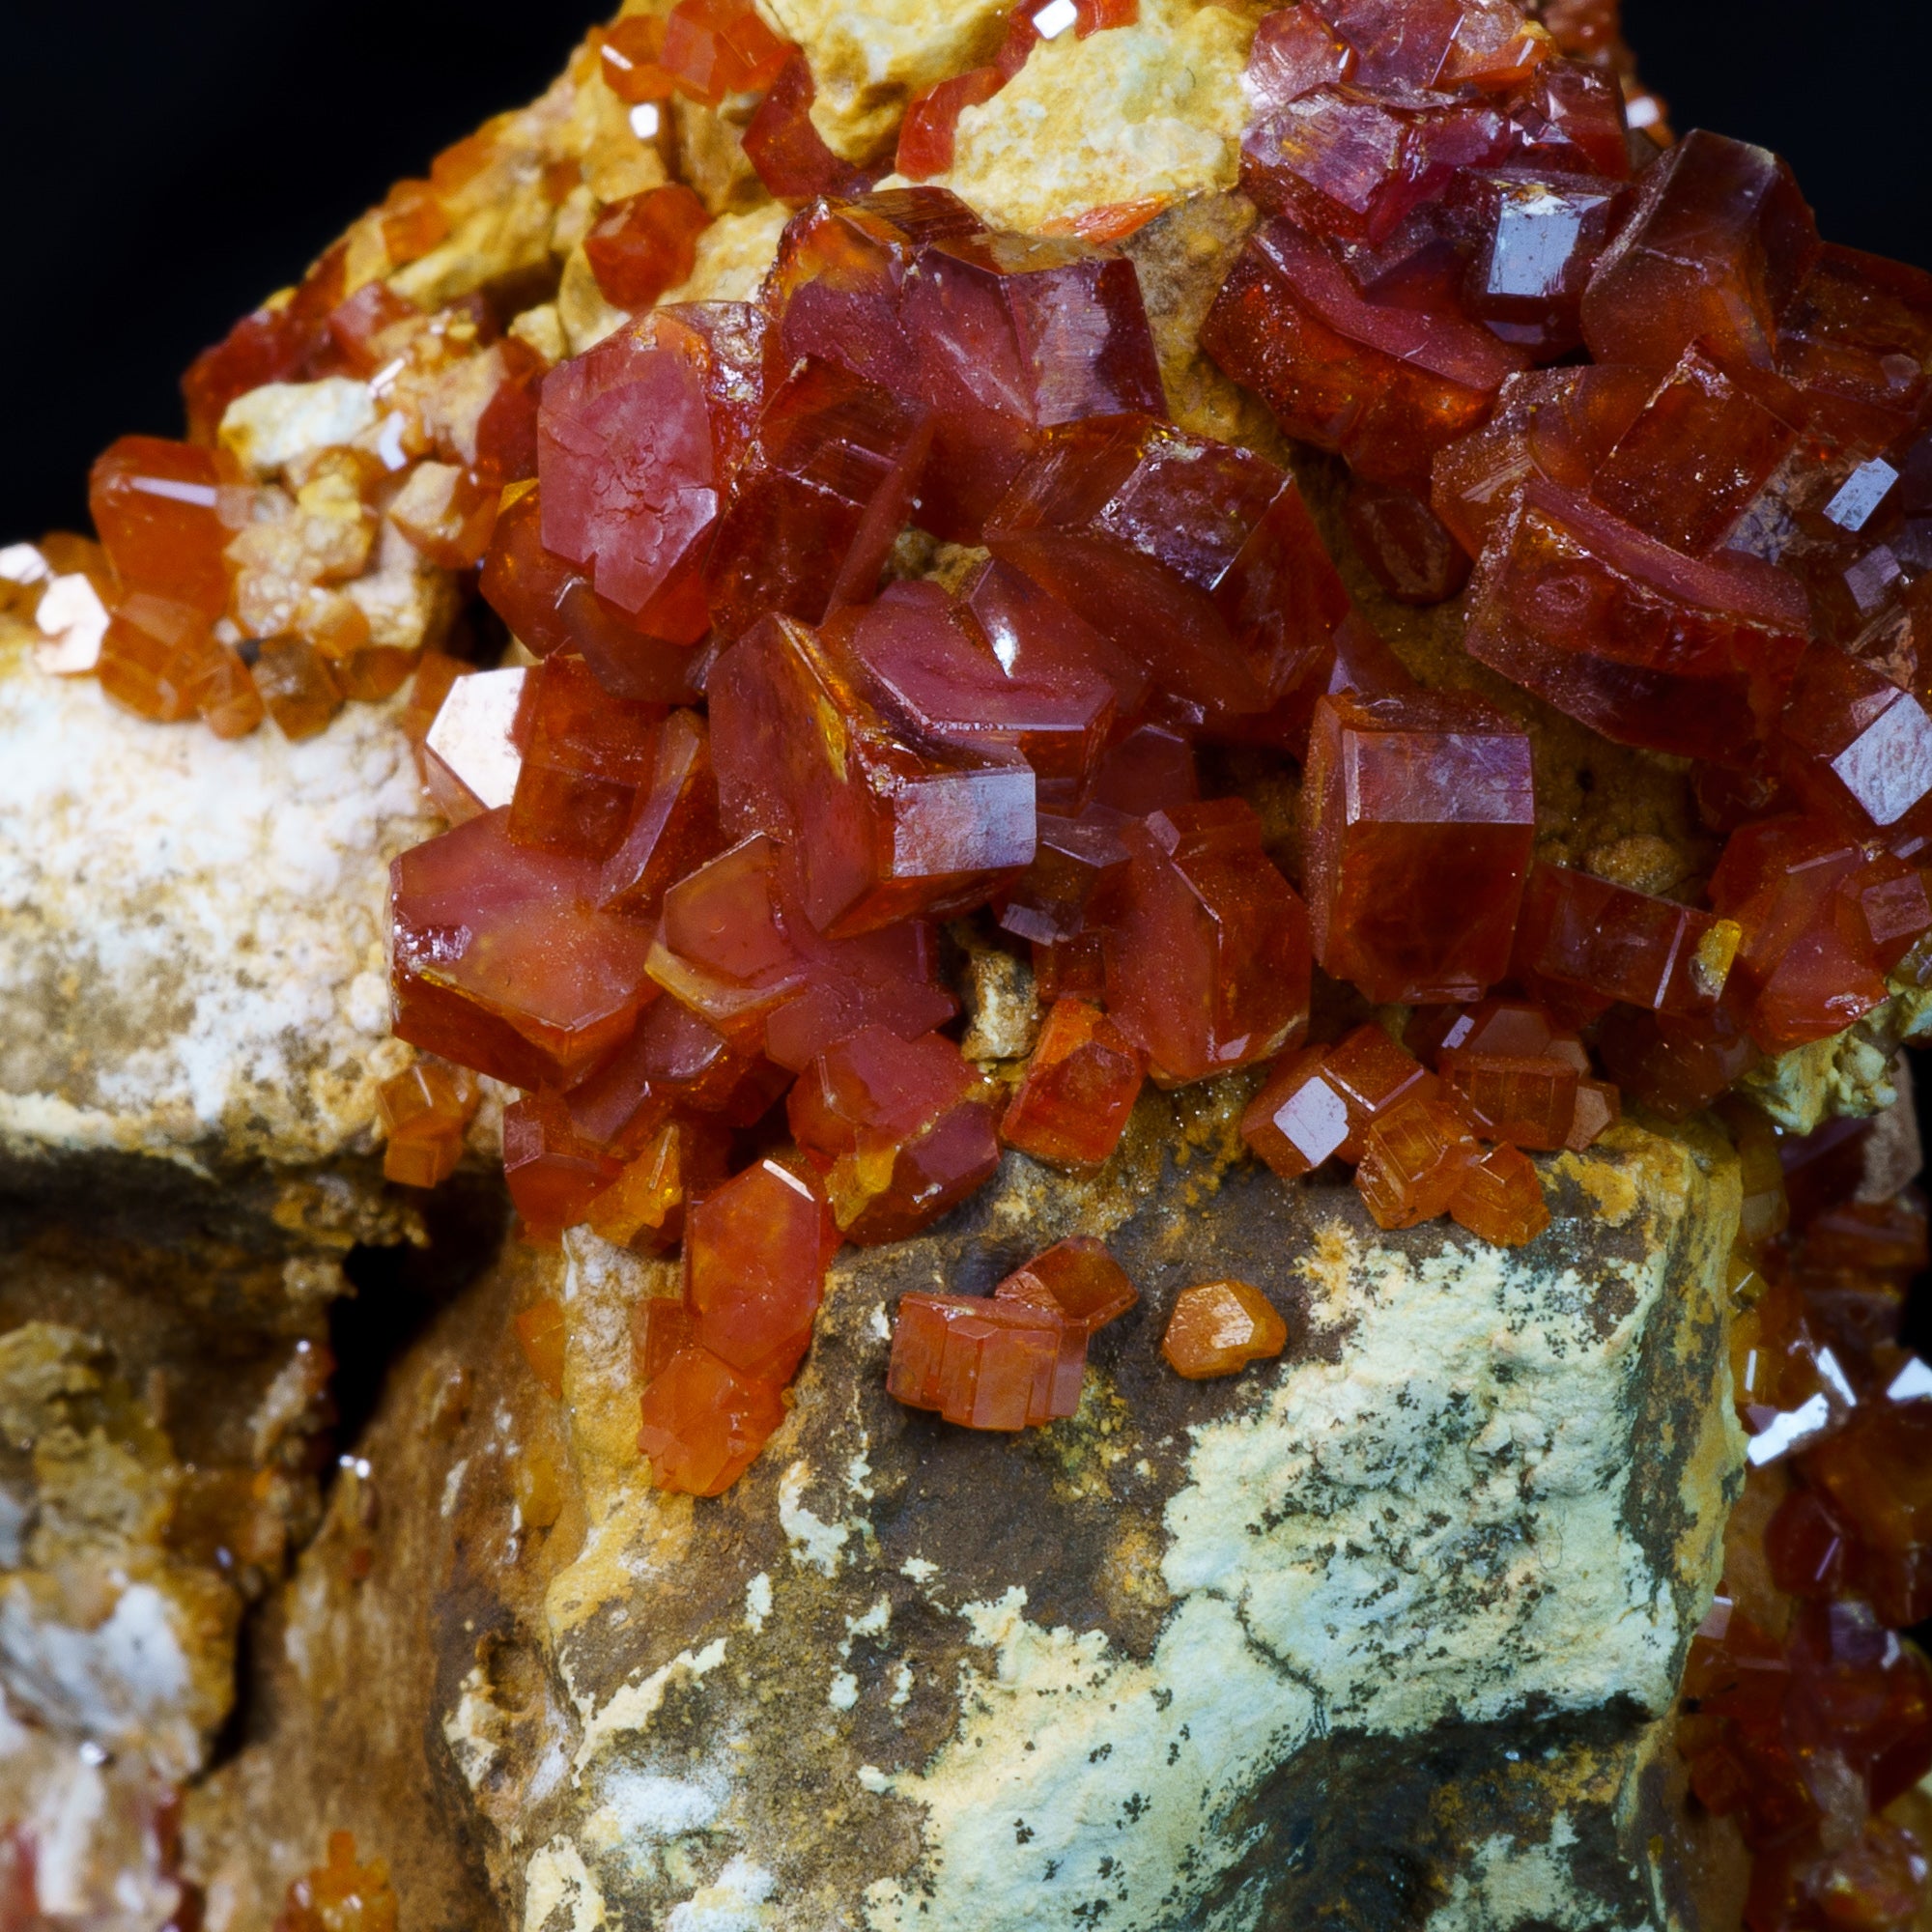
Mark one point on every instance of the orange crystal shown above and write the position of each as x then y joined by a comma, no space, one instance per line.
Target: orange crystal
1500,1198
424,1110
553,1170
297,687
1413,1160
157,507
1218,1327
703,1423
542,1331
647,243
1077,1278
342,1895
755,1252
156,656
984,1363
1320,1100
1078,1090
715,47
643,1206
660,1330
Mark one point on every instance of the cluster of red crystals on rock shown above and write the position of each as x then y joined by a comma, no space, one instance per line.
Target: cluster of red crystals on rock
1013,1360
1806,1716
342,1895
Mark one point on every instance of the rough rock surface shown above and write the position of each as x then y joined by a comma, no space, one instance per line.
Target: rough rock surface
1383,1626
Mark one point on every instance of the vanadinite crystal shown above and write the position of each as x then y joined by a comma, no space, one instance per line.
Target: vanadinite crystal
1217,1327
343,1895
1421,811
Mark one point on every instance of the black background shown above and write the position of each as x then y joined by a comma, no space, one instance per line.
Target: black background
166,166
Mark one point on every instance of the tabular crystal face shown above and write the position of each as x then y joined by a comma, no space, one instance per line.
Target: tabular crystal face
1803,972
424,1109
818,501
646,244
931,120
1640,643
586,755
502,960
554,1173
1320,1100
672,828
715,47
1702,449
1541,234
736,949
905,1125
1720,239
756,1251
1078,1279
1864,747
1413,1161
1528,1101
984,1363
835,288
1500,1198
1206,947
1293,52
1218,1327
660,1330
157,507
643,1206
1623,944
1197,559
1075,862
1421,815
632,475
550,606
875,827
1014,334
703,1423
1078,1090
1387,387
929,664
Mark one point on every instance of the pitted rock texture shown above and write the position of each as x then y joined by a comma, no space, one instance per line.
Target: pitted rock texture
193,957
1383,1628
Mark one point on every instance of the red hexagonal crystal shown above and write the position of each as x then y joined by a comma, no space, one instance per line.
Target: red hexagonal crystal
1719,240
1153,534
1321,1101
587,756
554,1173
1640,643
786,149
1206,948
1387,387
756,1251
1529,1100
1803,972
1621,943
154,655
1078,1279
715,47
1293,54
821,495
672,828
646,244
932,119
1865,746
905,1125
1078,1090
876,828
929,664
1541,233
984,1363
703,1423
550,606
635,445
734,947
501,961
1074,859
1014,334
157,509
1421,815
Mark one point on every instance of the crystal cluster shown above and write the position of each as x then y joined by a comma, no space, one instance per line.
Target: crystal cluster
1806,1718
342,1895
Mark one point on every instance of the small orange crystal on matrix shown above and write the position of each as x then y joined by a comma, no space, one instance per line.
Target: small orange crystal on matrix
1218,1327
341,1895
